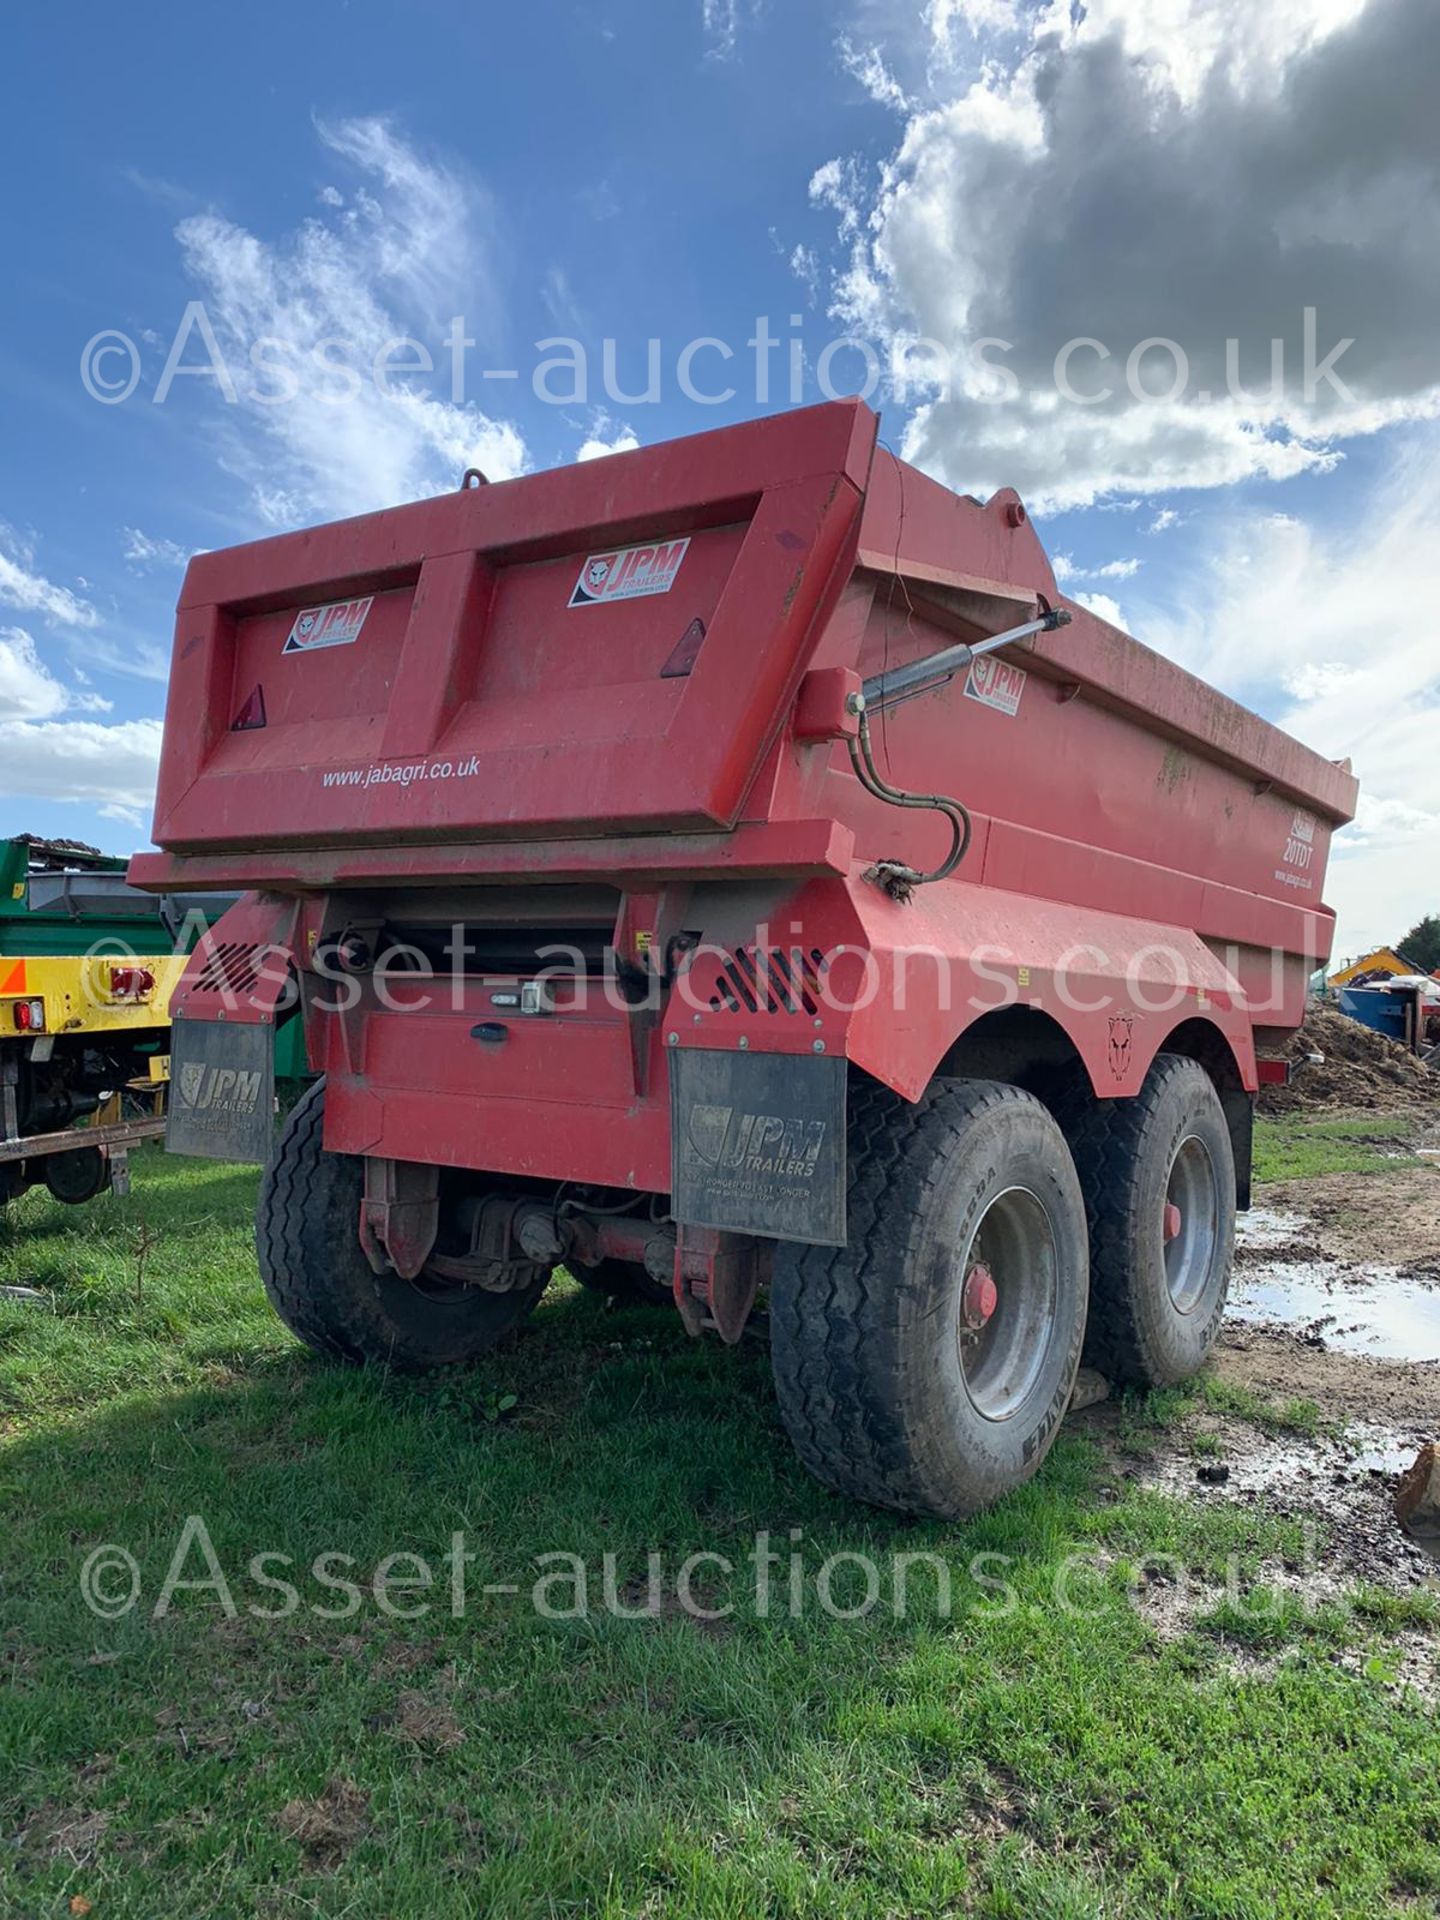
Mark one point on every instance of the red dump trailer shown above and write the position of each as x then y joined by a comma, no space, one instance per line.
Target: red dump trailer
731,868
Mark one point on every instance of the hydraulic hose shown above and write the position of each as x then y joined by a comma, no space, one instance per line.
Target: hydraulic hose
897,879
904,683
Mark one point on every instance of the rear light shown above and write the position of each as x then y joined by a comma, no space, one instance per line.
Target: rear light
131,983
30,1016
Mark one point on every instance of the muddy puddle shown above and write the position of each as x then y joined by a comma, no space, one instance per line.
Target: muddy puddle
1334,1327
1284,1277
1254,1463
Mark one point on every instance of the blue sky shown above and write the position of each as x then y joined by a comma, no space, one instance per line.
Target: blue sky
959,169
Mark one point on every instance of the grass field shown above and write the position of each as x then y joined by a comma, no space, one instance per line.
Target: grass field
1294,1148
1030,1750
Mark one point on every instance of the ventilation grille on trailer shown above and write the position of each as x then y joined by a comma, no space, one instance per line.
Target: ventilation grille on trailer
770,980
233,967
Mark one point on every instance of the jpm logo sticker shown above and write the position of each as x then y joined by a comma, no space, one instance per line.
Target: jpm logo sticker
995,683
337,625
222,1091
632,573
758,1144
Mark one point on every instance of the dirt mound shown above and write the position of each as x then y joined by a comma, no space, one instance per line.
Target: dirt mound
1361,1069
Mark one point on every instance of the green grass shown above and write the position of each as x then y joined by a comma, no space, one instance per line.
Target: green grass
1297,1148
1297,1417
1145,1416
1003,1757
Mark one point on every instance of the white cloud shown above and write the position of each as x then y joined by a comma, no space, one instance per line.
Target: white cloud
142,552
48,753
867,66
28,688
127,816
840,185
1335,631
806,268
1192,170
83,761
722,20
1164,520
1104,606
132,655
951,22
27,591
46,756
1067,569
607,436
414,247
1318,678
1186,42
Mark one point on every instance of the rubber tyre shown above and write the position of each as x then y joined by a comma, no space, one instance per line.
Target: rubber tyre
626,1280
1124,1151
322,1286
76,1177
865,1339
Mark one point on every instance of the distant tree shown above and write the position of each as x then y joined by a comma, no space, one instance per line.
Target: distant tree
1421,946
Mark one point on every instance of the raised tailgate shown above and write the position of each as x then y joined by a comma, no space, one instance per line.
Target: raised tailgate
603,648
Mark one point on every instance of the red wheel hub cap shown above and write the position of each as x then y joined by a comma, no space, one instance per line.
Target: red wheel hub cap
1173,1221
979,1299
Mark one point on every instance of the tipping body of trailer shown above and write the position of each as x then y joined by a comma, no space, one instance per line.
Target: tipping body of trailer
628,837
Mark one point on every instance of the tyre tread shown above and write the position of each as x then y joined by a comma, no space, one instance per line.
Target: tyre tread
1106,1139
315,1275
837,1365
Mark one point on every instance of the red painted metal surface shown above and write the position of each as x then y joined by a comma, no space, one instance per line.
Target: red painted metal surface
717,1276
486,739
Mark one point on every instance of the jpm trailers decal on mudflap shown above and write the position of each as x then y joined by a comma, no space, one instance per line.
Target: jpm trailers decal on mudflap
757,1144
222,1090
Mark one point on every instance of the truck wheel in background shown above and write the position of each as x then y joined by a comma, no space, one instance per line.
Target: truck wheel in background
322,1286
76,1176
626,1280
1158,1174
928,1364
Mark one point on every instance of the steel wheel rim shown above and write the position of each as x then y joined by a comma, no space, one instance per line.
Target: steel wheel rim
1194,1188
1001,1361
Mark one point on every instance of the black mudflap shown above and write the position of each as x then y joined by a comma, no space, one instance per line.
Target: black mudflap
222,1090
757,1144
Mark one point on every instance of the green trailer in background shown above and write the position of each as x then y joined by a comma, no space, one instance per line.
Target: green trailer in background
87,967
